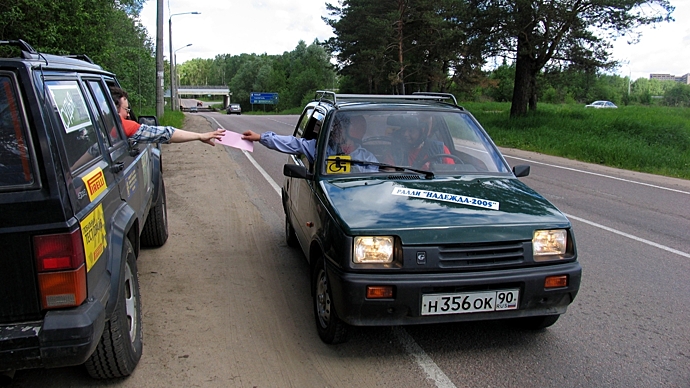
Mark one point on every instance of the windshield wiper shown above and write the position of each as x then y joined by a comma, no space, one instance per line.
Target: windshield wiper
427,174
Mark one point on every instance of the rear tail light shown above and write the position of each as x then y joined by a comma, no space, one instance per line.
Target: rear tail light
61,269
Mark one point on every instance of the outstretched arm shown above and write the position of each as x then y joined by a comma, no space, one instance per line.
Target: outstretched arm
284,144
182,136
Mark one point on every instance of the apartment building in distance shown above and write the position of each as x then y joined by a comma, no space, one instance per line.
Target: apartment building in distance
685,79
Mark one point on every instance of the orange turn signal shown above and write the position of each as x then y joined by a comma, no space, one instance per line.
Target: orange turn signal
379,292
556,281
63,289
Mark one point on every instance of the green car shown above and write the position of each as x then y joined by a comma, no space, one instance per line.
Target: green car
409,214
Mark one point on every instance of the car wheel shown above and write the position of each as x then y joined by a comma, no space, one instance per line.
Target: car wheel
155,230
536,323
119,350
290,236
330,328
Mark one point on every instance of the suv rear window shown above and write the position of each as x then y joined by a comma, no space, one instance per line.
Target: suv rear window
15,161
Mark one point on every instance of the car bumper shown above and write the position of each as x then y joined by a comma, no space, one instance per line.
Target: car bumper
352,306
62,338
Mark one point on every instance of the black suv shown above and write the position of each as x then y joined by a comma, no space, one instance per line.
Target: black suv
77,200
409,214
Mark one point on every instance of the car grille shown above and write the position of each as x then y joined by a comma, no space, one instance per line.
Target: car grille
481,255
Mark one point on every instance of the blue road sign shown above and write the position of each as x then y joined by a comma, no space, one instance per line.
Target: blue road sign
263,98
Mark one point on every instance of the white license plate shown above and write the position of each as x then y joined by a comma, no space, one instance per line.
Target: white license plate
469,302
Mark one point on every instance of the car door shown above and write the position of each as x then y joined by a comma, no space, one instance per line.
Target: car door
301,191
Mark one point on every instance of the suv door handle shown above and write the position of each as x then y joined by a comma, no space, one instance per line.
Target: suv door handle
117,167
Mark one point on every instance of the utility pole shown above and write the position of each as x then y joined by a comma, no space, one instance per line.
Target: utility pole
159,60
174,103
173,100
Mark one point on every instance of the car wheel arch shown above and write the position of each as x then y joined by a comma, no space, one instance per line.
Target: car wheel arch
125,227
315,253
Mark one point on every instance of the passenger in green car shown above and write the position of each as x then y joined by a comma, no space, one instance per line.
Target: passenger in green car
416,147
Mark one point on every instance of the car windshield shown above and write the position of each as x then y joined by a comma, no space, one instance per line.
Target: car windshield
442,142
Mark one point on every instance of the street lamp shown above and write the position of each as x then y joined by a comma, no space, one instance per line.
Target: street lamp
173,99
173,65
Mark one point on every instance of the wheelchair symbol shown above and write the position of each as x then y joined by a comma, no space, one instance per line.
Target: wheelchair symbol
338,164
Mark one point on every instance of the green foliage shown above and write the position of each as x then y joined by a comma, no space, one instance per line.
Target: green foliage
678,95
294,75
648,139
106,31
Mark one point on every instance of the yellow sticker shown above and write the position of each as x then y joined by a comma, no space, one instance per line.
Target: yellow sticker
338,164
94,236
95,183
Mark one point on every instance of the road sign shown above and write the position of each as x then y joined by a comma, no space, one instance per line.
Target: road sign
263,98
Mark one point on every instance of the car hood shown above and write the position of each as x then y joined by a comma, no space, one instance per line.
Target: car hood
482,209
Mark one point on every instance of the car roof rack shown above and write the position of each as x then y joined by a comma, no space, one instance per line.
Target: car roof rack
82,57
332,97
26,48
325,95
445,96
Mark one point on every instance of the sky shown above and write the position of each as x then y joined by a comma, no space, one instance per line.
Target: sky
276,26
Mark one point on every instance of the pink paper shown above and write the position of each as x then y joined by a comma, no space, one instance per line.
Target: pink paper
234,139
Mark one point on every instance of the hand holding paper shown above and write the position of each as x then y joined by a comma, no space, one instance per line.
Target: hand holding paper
234,139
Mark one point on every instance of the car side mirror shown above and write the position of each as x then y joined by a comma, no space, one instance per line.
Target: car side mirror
296,171
149,120
521,171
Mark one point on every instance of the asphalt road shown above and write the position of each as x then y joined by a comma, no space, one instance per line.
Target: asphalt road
227,304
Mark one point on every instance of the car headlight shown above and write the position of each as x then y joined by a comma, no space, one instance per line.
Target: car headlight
549,244
377,249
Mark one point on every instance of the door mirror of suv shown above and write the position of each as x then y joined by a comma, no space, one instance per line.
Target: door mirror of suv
148,120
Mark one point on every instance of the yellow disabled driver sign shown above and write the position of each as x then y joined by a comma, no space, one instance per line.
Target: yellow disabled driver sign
338,164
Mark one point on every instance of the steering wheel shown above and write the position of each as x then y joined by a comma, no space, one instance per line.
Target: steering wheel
386,139
428,158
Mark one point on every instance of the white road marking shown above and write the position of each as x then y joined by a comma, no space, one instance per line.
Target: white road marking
256,164
433,372
618,232
630,236
263,172
597,174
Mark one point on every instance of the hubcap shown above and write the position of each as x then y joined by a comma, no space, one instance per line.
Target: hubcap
323,301
130,303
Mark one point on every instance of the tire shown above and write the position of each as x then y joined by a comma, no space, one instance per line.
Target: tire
290,236
330,328
155,230
536,323
120,347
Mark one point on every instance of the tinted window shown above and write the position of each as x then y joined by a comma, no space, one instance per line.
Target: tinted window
304,120
303,130
15,162
78,130
108,119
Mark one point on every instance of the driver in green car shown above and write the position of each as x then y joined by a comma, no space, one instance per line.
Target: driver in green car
345,139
